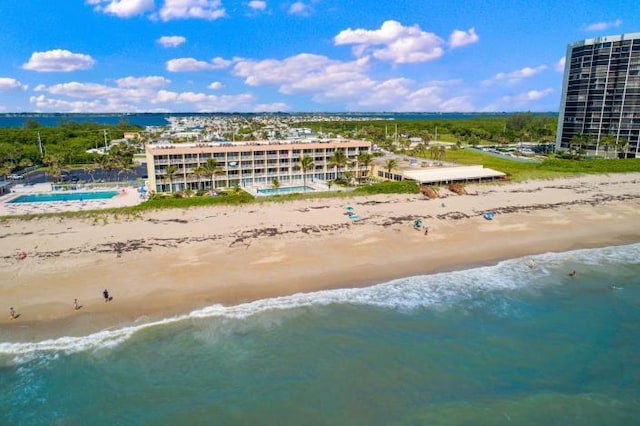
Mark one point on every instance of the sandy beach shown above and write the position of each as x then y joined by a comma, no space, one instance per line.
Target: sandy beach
173,261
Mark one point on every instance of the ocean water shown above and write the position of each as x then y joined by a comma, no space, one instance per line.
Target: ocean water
502,344
160,119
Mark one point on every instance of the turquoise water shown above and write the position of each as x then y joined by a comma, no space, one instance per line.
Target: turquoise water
64,196
285,190
503,344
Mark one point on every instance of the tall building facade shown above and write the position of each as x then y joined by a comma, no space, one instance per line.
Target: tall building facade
600,106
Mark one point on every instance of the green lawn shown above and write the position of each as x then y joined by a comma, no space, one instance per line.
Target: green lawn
548,169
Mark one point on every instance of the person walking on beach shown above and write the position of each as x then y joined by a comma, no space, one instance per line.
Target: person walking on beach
12,313
106,296
76,306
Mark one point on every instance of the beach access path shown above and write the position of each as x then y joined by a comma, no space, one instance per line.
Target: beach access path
170,262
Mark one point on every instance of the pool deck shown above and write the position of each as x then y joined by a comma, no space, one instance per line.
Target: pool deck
127,196
314,185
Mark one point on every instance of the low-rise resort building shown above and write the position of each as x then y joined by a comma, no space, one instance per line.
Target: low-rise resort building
253,166
436,173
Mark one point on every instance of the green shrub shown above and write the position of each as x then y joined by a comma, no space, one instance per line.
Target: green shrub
389,187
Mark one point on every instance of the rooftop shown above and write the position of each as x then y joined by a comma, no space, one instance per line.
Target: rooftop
229,144
452,174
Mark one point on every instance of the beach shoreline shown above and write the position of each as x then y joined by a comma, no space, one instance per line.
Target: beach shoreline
172,262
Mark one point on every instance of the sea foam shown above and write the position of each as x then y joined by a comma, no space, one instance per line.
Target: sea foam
401,294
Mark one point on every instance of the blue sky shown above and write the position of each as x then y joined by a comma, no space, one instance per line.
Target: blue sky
295,56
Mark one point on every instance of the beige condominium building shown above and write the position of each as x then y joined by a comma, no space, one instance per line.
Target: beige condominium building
250,165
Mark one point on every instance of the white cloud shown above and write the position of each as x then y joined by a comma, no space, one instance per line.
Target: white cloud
7,84
258,5
601,26
143,82
327,80
185,9
75,89
133,94
190,64
526,97
123,8
459,38
273,107
439,96
559,66
204,102
402,95
58,60
171,41
385,92
515,76
457,104
318,75
216,85
393,42
112,103
299,8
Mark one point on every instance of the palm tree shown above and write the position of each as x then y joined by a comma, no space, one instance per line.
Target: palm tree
90,169
339,159
577,142
390,165
25,163
606,143
275,183
171,173
365,158
433,152
106,163
306,163
54,162
121,157
212,169
199,172
6,168
622,145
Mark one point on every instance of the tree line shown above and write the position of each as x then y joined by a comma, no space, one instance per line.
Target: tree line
59,146
474,129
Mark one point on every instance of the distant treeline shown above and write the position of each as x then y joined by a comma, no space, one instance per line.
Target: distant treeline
69,140
535,127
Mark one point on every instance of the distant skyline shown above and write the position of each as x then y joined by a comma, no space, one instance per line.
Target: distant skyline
294,56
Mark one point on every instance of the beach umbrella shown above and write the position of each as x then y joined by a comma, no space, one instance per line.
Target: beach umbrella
348,208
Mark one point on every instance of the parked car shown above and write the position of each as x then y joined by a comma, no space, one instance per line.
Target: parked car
15,177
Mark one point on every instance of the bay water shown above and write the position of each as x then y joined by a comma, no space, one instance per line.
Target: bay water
501,344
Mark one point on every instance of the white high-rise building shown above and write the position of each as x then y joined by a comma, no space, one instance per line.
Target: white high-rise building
600,106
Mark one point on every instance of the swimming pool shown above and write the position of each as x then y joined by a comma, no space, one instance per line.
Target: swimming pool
284,190
64,196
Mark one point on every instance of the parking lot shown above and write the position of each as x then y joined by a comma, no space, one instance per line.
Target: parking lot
81,175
